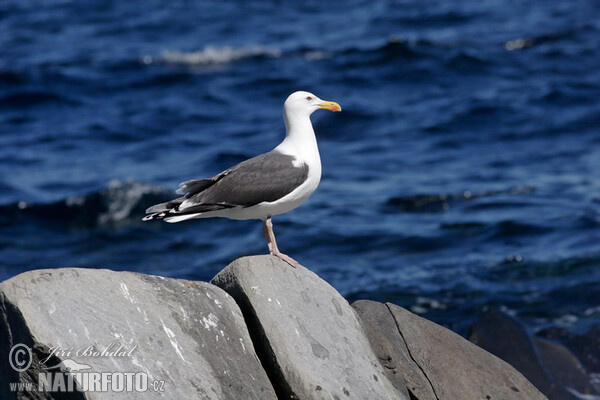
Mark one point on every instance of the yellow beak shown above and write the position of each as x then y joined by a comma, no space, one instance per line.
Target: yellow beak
330,105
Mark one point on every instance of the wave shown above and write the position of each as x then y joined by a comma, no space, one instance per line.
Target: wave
11,77
392,46
119,202
210,56
526,42
382,49
441,201
33,98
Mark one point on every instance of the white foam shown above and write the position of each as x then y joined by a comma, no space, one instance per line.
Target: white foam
212,55
316,55
121,197
518,44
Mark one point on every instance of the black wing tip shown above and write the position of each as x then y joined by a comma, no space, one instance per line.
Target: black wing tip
154,216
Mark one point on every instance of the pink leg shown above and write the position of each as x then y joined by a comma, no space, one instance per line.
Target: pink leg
273,250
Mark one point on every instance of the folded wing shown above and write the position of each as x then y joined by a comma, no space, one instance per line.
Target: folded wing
265,178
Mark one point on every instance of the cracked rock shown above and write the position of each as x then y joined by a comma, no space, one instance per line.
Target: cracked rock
308,336
391,350
453,367
191,336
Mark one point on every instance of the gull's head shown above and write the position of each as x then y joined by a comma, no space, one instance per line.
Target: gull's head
305,103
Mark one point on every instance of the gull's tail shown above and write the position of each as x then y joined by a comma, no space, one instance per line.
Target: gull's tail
171,212
185,207
170,219
162,210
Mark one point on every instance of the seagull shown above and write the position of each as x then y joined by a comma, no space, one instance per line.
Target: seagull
269,184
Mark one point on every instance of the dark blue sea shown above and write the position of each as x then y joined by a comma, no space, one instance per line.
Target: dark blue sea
462,174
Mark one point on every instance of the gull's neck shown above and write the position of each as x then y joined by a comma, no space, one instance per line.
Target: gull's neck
300,139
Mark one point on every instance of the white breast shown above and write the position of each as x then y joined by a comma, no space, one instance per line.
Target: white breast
293,199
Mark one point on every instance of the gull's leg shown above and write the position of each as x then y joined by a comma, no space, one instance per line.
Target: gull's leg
270,236
268,233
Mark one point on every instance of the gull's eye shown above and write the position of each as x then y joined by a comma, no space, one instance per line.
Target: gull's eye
309,98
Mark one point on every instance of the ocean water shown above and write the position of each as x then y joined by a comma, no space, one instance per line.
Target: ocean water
462,174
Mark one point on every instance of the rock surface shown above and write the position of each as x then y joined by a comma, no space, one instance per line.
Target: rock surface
443,364
308,333
391,350
586,346
280,333
191,335
565,368
550,366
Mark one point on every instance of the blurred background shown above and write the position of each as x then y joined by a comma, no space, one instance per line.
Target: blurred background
462,174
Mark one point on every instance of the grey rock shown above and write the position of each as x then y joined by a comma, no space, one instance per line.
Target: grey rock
390,348
309,338
189,335
455,367
198,343
586,346
505,337
565,368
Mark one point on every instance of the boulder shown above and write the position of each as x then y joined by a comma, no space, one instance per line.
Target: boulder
565,368
550,366
453,367
188,338
391,350
261,330
585,346
309,338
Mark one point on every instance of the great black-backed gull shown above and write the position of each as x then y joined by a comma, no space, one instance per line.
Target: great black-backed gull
269,184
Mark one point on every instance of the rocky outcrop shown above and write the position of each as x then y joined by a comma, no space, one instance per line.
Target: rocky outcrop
391,349
308,336
436,362
548,364
585,347
189,337
259,330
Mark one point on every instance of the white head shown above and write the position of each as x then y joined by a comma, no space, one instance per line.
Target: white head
299,134
303,104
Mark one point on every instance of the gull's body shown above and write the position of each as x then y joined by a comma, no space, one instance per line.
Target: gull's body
269,184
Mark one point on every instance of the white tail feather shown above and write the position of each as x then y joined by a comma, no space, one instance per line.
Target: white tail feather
180,218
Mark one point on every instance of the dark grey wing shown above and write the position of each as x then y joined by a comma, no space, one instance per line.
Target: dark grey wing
267,177
190,188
